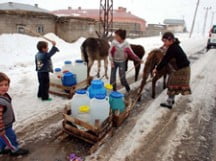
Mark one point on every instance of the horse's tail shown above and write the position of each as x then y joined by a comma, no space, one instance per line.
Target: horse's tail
84,52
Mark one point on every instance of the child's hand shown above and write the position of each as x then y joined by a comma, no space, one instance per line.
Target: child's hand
141,62
2,132
53,43
112,64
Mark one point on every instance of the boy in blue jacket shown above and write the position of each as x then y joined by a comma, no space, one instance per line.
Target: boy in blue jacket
43,67
8,139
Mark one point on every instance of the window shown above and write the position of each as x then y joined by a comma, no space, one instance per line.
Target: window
21,28
40,29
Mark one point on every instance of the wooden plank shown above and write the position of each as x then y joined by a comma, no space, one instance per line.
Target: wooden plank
61,94
79,133
79,122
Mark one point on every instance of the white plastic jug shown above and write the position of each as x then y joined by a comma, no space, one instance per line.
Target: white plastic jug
67,67
84,113
79,99
56,79
80,69
100,108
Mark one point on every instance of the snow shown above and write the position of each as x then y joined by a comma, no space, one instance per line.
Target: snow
17,60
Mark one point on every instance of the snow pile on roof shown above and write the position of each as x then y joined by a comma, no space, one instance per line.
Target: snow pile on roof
20,6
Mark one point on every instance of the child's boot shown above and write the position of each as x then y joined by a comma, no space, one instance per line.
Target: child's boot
20,152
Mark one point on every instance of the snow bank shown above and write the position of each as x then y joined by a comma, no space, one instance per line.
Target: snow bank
19,49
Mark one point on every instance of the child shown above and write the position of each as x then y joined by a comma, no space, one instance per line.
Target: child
119,52
7,118
43,67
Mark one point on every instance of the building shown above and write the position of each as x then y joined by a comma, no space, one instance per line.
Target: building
121,18
68,24
27,19
16,18
175,25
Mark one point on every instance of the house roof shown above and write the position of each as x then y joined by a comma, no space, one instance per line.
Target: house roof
174,22
19,6
118,15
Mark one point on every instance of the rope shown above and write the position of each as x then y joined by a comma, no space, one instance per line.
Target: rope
37,34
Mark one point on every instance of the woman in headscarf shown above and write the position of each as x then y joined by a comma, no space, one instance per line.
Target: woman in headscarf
179,79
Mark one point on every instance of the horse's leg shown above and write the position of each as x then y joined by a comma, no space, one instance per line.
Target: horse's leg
99,66
154,81
145,76
106,67
90,63
137,69
164,82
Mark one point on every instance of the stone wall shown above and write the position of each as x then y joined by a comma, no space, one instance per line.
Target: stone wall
70,29
17,22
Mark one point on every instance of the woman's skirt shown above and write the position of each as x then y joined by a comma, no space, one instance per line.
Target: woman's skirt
179,82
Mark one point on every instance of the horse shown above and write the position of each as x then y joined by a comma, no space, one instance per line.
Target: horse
153,59
95,49
140,52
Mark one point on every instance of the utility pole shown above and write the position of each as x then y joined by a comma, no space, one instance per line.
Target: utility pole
205,19
194,18
212,20
105,18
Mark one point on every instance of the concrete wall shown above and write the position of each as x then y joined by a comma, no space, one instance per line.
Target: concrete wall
71,29
13,23
176,28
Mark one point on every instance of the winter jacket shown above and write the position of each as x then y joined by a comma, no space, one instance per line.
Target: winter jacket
174,52
43,61
8,113
119,52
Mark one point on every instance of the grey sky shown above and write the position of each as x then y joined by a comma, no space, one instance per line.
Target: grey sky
154,11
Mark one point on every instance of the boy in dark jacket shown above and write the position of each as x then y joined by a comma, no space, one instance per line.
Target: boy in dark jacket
43,67
7,118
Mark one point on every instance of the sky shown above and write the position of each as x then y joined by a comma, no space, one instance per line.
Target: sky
153,11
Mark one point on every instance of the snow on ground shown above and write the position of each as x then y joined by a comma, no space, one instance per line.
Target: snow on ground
17,60
203,95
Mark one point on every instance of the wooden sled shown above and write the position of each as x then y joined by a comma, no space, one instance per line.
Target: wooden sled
69,91
130,101
95,135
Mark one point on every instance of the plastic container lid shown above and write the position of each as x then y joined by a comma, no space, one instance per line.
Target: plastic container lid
81,91
84,109
57,69
79,61
115,94
100,96
108,86
97,84
68,62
